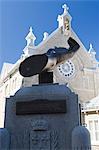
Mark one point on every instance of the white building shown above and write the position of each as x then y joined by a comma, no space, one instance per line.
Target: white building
10,82
91,118
81,72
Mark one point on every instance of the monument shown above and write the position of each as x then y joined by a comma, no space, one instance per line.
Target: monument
45,116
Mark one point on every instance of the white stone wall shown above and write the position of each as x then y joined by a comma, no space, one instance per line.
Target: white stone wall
8,88
92,123
2,107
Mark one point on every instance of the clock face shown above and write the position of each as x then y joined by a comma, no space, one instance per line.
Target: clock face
67,69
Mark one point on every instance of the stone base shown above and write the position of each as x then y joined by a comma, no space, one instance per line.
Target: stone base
48,125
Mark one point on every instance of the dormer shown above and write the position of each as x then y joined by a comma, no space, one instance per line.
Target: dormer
64,21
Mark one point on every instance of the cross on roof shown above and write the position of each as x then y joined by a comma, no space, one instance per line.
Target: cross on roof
65,8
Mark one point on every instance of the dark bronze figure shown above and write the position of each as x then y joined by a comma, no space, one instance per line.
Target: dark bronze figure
36,64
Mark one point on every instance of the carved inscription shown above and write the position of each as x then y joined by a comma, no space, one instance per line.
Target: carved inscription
41,107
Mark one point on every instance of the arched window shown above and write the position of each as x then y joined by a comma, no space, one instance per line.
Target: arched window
96,124
66,24
15,82
6,90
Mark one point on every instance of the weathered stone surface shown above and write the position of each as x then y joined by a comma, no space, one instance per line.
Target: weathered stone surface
42,131
81,138
4,139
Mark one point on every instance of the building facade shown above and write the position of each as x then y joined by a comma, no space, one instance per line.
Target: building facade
90,114
11,81
81,73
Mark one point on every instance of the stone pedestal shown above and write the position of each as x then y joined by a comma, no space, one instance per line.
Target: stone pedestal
42,117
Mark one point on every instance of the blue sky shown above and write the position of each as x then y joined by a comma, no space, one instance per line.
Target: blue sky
16,16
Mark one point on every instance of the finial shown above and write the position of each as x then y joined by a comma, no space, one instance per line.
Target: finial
91,49
45,36
65,8
31,29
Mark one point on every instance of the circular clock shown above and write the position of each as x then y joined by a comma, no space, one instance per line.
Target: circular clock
67,69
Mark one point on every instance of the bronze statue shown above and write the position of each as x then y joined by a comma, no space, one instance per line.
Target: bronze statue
36,64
